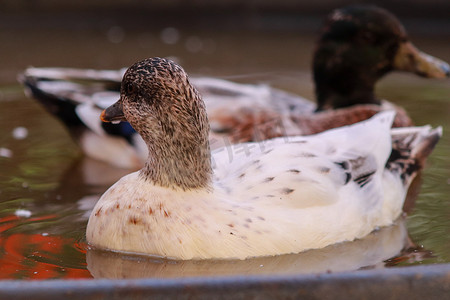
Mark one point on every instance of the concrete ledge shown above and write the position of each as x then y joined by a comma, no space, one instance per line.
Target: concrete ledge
417,282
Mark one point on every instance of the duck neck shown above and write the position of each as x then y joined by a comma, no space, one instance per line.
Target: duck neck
343,92
186,166
344,78
179,152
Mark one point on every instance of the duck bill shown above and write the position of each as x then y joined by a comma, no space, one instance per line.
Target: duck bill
114,113
411,59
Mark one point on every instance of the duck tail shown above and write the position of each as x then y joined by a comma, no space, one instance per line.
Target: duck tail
61,107
61,90
411,147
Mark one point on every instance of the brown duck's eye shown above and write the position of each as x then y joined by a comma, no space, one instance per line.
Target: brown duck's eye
129,88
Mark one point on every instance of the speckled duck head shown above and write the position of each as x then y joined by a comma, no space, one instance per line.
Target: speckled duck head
358,45
157,99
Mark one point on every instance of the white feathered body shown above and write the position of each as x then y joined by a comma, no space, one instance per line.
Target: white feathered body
280,196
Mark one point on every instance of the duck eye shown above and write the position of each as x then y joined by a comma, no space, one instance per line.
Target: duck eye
129,88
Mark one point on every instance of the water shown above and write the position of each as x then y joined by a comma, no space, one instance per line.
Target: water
47,187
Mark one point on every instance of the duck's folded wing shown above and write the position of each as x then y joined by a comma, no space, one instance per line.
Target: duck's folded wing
309,170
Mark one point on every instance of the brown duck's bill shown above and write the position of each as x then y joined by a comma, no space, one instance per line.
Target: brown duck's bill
411,59
114,113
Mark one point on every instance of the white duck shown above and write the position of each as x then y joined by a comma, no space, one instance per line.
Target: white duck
358,45
279,196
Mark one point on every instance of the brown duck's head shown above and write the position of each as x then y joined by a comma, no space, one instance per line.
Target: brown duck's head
161,104
156,98
357,46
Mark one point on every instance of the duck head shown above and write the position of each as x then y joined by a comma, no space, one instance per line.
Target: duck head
158,100
358,45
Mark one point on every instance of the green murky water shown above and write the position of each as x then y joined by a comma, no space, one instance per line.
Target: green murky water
47,188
